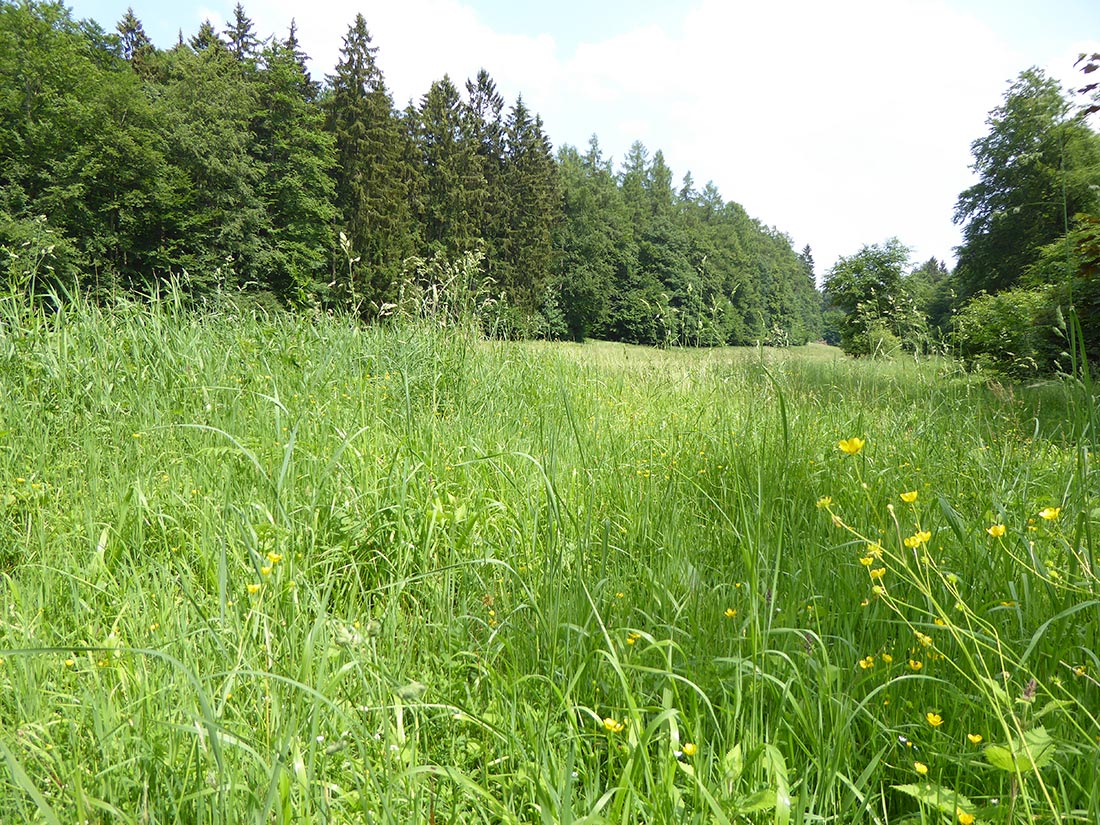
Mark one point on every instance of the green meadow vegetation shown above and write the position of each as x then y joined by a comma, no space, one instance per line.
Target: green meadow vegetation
286,568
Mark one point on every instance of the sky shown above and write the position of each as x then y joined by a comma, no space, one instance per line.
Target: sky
839,122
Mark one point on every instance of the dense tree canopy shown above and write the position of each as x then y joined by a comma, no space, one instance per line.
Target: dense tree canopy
1037,167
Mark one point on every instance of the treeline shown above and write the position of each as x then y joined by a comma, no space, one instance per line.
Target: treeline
123,164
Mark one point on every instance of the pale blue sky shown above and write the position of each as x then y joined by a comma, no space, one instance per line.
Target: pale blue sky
841,123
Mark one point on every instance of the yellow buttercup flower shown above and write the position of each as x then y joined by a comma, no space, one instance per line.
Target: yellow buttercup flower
867,662
920,768
975,738
274,557
824,501
1050,513
886,657
909,497
730,612
866,561
915,664
964,817
924,639
877,573
917,539
612,725
996,530
934,719
690,749
253,588
851,446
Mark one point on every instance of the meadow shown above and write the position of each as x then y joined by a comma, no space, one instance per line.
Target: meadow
290,569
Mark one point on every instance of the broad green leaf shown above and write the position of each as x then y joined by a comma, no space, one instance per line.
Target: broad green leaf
776,765
759,801
1033,751
943,799
733,763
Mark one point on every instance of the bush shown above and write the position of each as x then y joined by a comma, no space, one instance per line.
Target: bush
1024,332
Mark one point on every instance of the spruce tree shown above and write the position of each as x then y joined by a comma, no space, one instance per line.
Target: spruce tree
534,208
297,189
241,36
452,177
370,192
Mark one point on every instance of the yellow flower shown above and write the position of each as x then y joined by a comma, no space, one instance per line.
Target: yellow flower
874,550
878,590
266,570
274,557
867,662
877,573
70,662
851,446
925,640
886,657
1079,670
690,749
915,664
612,725
995,530
630,639
866,561
824,501
1050,513
975,738
730,612
920,768
934,719
253,588
909,497
619,595
964,817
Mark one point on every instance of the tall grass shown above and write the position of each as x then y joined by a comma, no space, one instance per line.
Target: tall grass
277,569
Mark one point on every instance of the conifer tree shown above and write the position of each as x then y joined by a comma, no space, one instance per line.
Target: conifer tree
370,193
534,208
451,172
297,188
241,36
136,45
206,37
484,127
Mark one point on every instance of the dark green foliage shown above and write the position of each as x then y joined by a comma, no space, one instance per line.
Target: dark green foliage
241,37
1036,166
217,226
135,45
879,313
79,141
370,187
124,165
449,197
933,290
594,240
297,189
652,265
533,196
